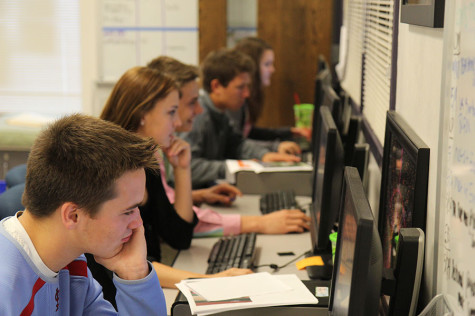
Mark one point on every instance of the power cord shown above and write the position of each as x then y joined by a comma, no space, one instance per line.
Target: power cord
275,267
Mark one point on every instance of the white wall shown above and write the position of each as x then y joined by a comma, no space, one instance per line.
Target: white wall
175,41
418,101
89,31
242,20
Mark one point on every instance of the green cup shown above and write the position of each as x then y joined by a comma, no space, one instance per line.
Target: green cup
333,237
303,115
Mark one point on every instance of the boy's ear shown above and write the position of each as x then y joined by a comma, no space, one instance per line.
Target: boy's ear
70,214
215,84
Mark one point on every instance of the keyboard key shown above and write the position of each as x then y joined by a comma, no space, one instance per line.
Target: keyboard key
235,251
279,200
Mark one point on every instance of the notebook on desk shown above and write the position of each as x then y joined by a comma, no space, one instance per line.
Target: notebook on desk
181,308
258,178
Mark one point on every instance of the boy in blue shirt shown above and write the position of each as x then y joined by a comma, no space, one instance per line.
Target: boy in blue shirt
85,180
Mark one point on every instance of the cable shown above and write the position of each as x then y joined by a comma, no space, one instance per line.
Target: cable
275,267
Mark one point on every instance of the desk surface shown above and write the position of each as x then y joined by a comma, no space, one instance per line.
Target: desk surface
267,246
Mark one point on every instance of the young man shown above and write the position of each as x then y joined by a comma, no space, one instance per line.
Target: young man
85,180
189,107
225,79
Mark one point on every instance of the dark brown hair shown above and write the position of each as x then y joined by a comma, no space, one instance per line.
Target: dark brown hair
136,93
77,159
224,65
254,47
180,72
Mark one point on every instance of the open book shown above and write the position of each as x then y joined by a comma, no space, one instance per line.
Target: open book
209,296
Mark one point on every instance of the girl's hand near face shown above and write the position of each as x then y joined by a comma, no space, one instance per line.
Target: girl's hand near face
179,153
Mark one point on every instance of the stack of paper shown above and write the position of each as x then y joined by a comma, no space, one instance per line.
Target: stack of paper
210,296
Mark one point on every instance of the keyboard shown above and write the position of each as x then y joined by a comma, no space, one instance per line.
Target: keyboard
274,201
232,252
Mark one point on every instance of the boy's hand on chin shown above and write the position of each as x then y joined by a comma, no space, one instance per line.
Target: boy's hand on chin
130,262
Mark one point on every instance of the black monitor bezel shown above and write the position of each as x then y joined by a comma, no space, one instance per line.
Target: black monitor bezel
335,105
322,63
323,78
351,138
332,179
365,237
417,149
408,272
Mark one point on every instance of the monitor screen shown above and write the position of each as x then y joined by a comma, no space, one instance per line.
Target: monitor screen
404,184
328,169
399,194
357,272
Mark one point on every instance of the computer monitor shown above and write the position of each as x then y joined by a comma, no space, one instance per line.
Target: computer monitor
333,101
346,112
358,267
350,126
323,78
360,160
400,286
350,139
404,182
328,173
322,63
324,96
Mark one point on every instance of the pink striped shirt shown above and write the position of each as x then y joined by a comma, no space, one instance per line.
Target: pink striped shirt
210,223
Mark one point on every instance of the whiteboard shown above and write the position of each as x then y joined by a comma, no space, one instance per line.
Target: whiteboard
458,167
133,32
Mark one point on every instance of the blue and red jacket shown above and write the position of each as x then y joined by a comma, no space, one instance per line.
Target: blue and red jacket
25,291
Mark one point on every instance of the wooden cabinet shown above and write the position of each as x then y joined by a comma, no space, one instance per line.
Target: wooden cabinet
298,30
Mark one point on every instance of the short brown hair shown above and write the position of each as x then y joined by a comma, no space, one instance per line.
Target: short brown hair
77,159
180,72
135,94
224,65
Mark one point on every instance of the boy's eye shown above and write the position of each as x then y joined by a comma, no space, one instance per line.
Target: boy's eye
131,211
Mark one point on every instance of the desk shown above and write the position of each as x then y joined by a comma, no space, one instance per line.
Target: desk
195,258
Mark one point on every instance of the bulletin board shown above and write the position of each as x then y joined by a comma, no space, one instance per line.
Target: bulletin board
457,194
133,32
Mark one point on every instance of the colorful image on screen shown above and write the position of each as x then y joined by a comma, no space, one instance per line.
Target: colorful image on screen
399,197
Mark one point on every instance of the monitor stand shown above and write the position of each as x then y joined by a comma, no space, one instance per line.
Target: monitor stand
321,272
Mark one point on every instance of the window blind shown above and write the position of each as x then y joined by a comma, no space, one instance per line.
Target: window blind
354,19
377,67
40,65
